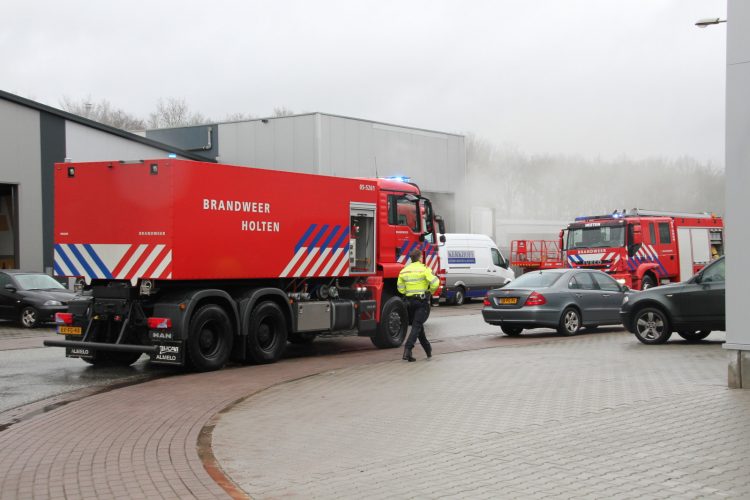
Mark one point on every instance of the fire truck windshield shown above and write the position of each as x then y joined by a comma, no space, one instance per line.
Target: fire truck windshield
596,237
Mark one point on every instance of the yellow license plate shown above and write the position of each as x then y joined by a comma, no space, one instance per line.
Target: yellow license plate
69,330
509,300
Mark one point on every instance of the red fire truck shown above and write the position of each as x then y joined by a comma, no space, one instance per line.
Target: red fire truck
645,248
642,247
197,263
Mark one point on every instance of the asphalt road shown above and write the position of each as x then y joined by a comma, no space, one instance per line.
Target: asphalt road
30,373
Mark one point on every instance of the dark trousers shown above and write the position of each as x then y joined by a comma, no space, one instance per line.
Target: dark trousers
419,311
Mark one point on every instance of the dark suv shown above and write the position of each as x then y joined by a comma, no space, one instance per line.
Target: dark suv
692,308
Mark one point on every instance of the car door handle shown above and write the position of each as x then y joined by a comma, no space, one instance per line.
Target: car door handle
605,295
579,295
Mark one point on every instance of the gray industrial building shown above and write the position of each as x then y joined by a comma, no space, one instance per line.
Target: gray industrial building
738,183
328,144
33,137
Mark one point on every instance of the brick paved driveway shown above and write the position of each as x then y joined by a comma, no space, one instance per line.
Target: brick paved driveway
596,416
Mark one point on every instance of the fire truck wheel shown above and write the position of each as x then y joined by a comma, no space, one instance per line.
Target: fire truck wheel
651,326
570,322
394,321
267,336
210,338
647,282
694,336
511,331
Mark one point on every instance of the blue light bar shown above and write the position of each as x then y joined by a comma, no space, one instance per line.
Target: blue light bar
400,178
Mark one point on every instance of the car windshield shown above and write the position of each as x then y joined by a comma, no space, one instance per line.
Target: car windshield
596,237
37,282
535,280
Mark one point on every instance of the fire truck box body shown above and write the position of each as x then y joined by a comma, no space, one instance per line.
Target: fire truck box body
165,237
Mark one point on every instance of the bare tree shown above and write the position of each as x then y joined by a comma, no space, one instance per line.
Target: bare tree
102,112
173,112
239,117
279,111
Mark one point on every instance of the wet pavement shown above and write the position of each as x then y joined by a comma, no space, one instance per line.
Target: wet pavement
537,416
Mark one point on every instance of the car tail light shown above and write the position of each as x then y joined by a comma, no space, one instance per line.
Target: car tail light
159,323
535,299
64,318
487,301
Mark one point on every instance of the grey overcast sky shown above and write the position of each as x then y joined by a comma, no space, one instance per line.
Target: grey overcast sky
592,77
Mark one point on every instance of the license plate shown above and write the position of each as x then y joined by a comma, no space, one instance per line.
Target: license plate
69,330
508,300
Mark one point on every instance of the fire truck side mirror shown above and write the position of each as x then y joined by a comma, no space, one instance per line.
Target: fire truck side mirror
442,238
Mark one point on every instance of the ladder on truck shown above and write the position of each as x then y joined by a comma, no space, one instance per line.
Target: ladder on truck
531,255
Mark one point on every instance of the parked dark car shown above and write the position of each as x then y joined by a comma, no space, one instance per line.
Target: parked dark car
692,308
31,298
565,299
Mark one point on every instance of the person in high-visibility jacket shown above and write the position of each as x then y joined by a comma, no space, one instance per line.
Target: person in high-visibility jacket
417,283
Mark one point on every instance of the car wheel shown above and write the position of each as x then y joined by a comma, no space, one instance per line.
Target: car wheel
570,322
647,282
268,333
651,326
394,321
210,338
460,296
694,336
511,331
29,317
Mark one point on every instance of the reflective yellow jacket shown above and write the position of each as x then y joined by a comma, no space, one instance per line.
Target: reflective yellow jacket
416,278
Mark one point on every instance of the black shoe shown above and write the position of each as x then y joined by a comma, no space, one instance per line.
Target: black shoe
428,351
407,355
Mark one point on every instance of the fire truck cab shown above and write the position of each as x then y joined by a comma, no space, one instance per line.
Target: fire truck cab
643,248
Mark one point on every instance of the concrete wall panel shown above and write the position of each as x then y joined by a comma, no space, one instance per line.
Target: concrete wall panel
20,165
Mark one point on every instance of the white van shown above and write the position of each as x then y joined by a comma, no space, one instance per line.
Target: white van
473,265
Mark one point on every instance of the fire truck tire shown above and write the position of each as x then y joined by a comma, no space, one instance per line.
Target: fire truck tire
694,336
570,322
511,331
210,338
267,336
394,321
103,358
647,282
651,326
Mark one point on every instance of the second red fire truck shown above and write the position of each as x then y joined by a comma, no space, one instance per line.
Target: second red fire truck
643,248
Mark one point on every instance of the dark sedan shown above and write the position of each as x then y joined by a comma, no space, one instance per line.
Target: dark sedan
565,299
692,308
31,298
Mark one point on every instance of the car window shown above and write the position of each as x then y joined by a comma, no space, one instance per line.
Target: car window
714,272
497,259
652,233
606,283
37,282
5,280
584,281
536,279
